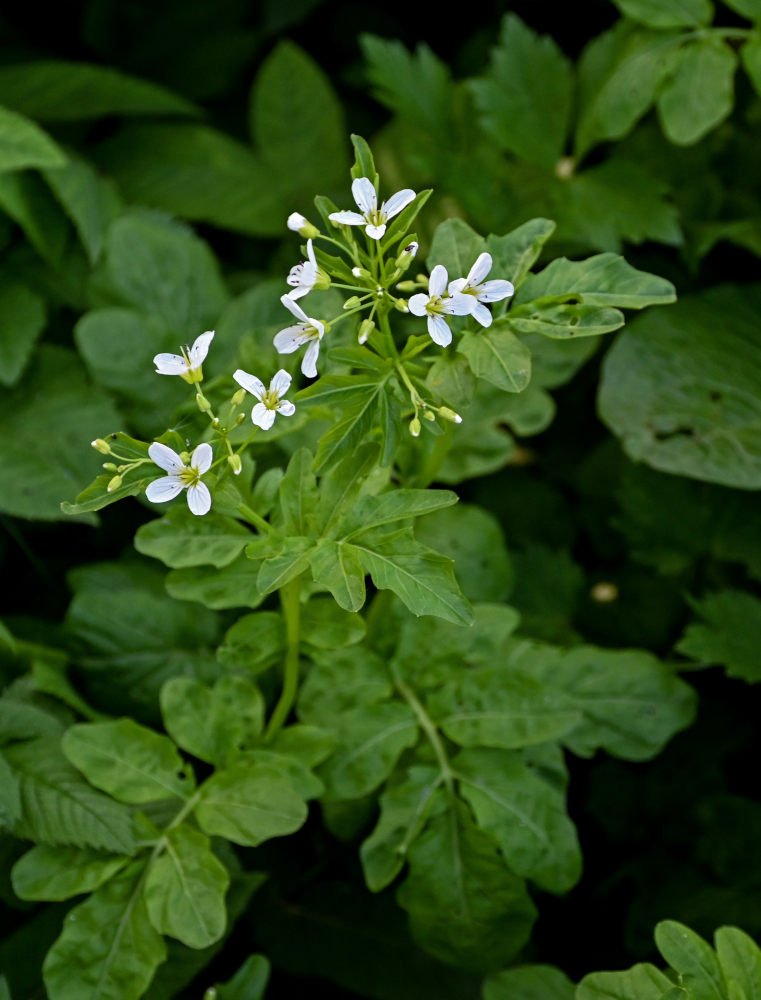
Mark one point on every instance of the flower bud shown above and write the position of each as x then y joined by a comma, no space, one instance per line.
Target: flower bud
448,414
202,403
415,427
114,484
239,419
429,416
361,272
401,305
235,463
110,466
238,397
406,257
102,446
407,286
366,327
298,224
351,302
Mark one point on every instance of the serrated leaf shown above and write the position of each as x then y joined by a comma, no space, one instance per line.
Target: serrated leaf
24,317
693,959
249,805
129,761
497,355
697,94
397,505
464,906
108,949
55,873
184,891
181,539
524,100
730,636
24,144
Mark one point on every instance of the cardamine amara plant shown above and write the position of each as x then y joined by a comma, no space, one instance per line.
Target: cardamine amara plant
313,640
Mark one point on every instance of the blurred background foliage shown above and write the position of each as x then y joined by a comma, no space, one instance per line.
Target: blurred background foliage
149,157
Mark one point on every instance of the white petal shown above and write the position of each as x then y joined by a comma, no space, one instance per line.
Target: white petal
318,326
165,458
299,292
457,285
170,364
458,304
438,280
250,383
417,304
480,269
289,340
364,194
199,498
493,291
263,417
481,314
286,407
375,232
294,275
293,307
309,361
281,383
201,458
295,221
347,218
311,256
200,348
166,488
397,202
439,331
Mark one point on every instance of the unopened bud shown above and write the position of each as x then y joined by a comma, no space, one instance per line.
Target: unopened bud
215,423
415,427
429,416
604,592
298,224
361,272
406,257
202,403
102,446
235,463
238,397
351,302
114,484
366,327
407,286
448,414
401,305
239,419
110,466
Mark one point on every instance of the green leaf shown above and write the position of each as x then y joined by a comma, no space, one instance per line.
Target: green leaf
497,355
129,761
297,122
27,200
750,54
182,539
641,982
325,626
364,164
524,101
730,635
249,805
529,982
108,949
371,738
421,578
416,86
290,561
215,723
619,75
253,643
59,807
161,268
10,799
405,808
233,586
357,421
514,254
694,960
697,94
740,960
248,983
464,906
185,889
342,680
523,808
392,507
298,494
89,200
684,402
456,246
751,9
564,321
668,14
54,90
603,280
338,566
20,720
23,144
54,873
23,321
97,495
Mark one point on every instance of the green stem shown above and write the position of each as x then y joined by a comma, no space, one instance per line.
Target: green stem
290,599
253,518
429,728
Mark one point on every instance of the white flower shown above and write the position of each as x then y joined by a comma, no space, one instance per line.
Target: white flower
181,477
304,275
271,400
307,331
478,291
436,303
374,219
188,366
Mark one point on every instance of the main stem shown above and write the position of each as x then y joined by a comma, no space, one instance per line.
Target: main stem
290,599
429,728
